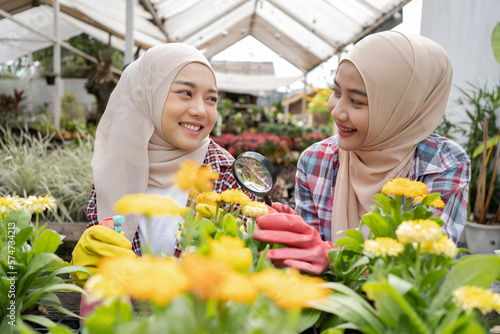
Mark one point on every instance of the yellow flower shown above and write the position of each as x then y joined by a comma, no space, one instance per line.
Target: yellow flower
238,288
471,297
231,251
144,278
195,179
443,246
208,197
101,288
206,210
205,275
437,203
149,205
235,196
254,209
404,187
418,231
39,204
288,288
384,246
8,203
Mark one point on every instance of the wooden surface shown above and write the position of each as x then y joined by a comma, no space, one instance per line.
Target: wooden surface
72,231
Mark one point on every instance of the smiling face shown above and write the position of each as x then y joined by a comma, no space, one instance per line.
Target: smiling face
190,110
348,105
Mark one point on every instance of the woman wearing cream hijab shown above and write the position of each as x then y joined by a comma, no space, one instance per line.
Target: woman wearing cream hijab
159,115
390,93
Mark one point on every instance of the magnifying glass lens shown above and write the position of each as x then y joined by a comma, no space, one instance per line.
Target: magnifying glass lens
254,175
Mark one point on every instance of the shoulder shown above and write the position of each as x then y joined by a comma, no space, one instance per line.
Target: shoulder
217,157
327,149
436,152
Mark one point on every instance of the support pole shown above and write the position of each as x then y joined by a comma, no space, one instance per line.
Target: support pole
57,68
129,33
304,103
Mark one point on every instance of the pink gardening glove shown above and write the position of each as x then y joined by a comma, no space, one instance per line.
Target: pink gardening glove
305,250
281,208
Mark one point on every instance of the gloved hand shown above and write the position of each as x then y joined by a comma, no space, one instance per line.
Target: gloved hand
305,250
95,243
281,208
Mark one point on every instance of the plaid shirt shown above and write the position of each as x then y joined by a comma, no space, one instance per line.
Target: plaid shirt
219,160
439,162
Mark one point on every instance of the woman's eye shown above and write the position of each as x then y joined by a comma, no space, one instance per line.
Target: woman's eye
213,99
336,92
185,92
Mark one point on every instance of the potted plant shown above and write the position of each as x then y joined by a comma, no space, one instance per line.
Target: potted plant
482,231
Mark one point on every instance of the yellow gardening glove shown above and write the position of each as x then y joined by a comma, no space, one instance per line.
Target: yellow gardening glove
95,243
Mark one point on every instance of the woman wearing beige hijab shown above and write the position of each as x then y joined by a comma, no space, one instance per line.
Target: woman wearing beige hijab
159,115
389,95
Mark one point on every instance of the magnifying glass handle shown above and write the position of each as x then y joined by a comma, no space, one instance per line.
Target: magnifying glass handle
267,200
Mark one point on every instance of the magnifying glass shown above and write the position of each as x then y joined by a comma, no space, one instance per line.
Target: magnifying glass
255,173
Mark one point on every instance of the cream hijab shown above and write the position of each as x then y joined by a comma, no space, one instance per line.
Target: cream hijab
130,150
408,81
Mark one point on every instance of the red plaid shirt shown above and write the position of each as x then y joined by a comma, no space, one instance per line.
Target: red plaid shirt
439,162
217,158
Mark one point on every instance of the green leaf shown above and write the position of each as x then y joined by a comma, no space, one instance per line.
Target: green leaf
106,316
31,298
47,242
430,198
379,225
308,318
350,306
20,218
495,42
35,267
475,270
38,319
230,225
391,306
22,236
355,234
489,143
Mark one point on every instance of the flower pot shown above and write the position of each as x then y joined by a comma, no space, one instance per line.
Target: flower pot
481,238
50,79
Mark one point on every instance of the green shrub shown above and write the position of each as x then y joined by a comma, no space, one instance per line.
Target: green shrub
35,165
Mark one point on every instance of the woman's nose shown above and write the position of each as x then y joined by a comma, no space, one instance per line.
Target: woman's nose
197,108
336,109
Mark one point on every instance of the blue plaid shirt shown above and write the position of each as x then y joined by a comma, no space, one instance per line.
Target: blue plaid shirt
439,162
217,158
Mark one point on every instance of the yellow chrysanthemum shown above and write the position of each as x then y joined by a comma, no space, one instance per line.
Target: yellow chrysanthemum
144,278
39,204
149,205
208,197
235,196
238,288
101,288
288,288
443,246
206,210
255,209
205,275
195,179
418,231
404,187
384,247
8,203
471,297
231,251
437,203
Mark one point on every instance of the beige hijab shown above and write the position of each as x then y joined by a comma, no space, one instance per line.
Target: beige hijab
408,81
130,150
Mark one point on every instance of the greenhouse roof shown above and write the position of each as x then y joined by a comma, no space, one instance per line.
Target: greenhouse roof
305,33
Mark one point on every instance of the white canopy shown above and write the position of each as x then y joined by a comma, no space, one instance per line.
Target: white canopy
305,33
